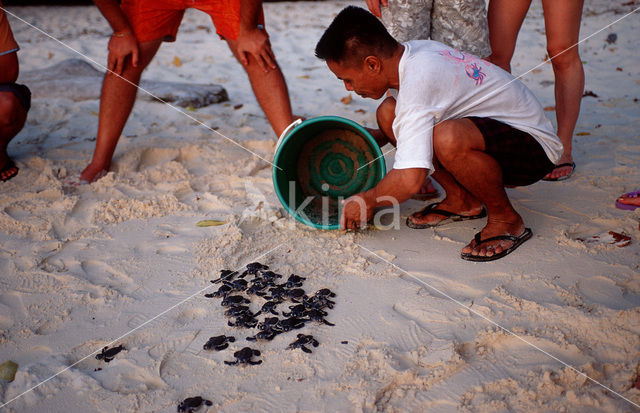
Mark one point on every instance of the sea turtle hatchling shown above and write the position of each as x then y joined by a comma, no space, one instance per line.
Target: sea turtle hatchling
294,281
254,268
109,354
225,275
318,315
243,320
234,301
193,404
244,356
269,307
218,342
238,311
302,341
223,291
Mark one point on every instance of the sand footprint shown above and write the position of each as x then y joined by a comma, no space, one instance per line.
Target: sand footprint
102,274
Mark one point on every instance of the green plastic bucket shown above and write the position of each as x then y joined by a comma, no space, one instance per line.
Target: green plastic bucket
320,161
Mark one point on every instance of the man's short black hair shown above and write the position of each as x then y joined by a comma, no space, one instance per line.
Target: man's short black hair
353,35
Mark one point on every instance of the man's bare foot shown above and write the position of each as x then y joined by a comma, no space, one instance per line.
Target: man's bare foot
92,173
458,211
8,168
494,229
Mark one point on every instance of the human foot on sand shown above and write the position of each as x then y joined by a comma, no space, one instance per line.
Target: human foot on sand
629,201
440,213
92,173
8,170
496,240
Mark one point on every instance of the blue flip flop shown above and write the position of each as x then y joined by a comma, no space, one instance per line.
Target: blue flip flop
517,241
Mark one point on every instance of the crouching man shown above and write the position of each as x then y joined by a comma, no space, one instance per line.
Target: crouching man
470,124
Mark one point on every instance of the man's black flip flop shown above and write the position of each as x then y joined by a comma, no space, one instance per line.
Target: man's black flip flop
563,177
517,241
450,216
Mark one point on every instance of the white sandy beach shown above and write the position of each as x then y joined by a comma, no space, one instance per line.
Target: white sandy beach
121,261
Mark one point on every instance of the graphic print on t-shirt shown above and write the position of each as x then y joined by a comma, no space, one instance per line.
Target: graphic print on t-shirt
471,64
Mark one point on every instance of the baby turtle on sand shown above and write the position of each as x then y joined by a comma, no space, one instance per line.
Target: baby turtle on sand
238,311
193,404
296,311
254,268
225,275
244,320
257,287
223,291
318,315
270,277
269,307
318,301
244,356
109,354
234,301
237,285
268,335
302,341
295,295
290,323
294,281
218,342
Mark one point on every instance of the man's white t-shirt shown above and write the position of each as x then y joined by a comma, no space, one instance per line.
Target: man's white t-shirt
439,83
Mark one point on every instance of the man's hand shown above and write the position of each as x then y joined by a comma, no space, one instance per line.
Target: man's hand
374,6
122,45
356,211
255,42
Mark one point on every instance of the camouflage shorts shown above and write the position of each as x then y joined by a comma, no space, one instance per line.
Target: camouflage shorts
461,24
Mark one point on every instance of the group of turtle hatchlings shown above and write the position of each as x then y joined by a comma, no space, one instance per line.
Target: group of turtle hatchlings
264,284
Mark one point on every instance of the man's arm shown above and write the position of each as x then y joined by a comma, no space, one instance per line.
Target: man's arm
374,6
253,40
399,184
123,42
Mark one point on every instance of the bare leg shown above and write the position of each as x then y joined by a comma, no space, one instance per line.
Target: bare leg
12,118
270,90
505,18
562,24
116,102
459,147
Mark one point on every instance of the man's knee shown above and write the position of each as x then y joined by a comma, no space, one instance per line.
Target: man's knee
452,137
11,110
386,112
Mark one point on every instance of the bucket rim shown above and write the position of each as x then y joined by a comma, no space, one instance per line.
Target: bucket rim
379,158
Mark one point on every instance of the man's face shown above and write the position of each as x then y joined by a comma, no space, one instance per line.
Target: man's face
365,79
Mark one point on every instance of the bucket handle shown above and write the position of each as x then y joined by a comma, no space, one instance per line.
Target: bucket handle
287,130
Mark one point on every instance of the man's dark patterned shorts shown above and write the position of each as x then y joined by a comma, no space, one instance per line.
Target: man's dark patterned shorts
522,159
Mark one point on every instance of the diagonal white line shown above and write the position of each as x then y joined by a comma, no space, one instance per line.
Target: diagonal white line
137,86
487,96
506,330
132,330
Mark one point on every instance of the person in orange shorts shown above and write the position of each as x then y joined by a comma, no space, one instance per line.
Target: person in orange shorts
15,99
140,27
